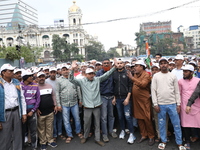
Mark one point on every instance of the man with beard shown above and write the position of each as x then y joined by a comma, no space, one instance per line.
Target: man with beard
122,93
142,102
187,86
107,95
166,101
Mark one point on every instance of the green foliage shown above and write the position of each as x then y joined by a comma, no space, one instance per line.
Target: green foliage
29,54
112,53
63,51
159,44
94,50
11,53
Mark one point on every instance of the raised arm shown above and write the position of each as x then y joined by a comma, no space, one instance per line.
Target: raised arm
71,74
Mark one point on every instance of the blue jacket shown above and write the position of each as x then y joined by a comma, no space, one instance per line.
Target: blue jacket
106,87
2,98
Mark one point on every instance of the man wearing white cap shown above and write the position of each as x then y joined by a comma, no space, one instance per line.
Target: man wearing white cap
189,119
90,87
57,123
142,102
12,109
32,97
45,112
67,96
166,100
178,72
18,74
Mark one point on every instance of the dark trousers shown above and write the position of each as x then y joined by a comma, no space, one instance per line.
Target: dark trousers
31,125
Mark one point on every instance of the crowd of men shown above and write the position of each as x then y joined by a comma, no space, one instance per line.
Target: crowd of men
100,98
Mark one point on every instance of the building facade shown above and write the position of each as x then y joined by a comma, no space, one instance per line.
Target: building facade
156,27
42,37
192,32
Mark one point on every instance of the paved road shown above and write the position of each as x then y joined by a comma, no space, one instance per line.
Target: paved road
115,144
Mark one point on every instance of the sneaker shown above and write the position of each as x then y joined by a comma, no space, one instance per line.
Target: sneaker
114,135
100,143
53,144
122,134
131,139
114,130
43,147
105,138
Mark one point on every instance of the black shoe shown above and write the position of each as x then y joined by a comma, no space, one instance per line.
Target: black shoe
141,140
151,142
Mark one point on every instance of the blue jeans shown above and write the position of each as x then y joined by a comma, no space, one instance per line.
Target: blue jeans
174,117
57,124
124,112
107,117
66,118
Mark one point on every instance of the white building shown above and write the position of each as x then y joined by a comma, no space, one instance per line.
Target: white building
42,37
16,12
194,32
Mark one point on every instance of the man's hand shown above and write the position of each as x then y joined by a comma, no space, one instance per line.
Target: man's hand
38,112
188,109
129,74
59,108
126,101
74,64
114,101
55,109
30,114
157,108
80,104
178,108
24,118
115,62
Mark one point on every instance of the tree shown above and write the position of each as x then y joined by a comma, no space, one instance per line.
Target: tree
11,53
112,53
58,45
64,51
94,50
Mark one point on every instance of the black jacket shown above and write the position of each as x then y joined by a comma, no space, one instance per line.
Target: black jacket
122,84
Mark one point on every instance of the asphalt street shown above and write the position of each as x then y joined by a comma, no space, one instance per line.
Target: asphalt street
115,144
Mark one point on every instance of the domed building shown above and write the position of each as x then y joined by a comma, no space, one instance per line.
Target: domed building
42,37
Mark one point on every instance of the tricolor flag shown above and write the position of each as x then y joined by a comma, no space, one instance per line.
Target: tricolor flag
148,59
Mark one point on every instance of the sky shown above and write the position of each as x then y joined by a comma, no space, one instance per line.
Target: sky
124,31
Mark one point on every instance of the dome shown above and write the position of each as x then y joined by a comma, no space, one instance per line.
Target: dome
74,8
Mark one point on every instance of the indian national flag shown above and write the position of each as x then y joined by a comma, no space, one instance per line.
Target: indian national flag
148,59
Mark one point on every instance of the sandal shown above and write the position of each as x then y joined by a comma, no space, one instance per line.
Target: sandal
157,140
181,147
194,139
68,140
80,135
62,137
187,146
90,134
162,146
